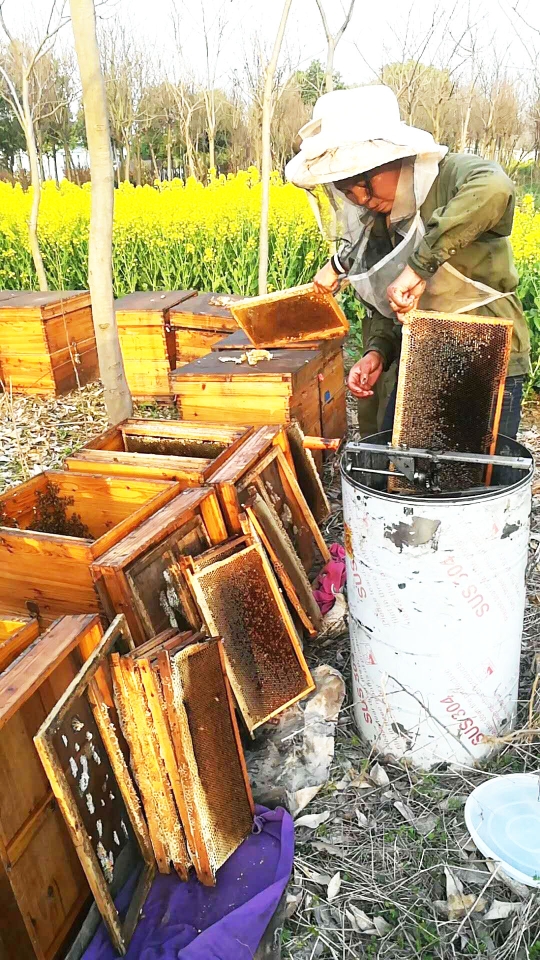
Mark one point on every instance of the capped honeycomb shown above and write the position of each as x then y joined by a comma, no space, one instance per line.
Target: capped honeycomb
450,389
290,316
216,790
240,602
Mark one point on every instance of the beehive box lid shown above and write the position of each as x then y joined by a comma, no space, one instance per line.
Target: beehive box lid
206,311
152,300
301,313
52,303
286,364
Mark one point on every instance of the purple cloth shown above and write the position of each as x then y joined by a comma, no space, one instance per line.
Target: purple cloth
187,921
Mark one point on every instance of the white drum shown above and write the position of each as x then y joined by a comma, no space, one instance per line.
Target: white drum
436,590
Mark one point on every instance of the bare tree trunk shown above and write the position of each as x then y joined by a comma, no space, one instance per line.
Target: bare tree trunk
332,40
138,167
266,164
117,396
67,162
465,130
189,146
329,76
55,163
169,153
212,149
154,162
127,160
30,136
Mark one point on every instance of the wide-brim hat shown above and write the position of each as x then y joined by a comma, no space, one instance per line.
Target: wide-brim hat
353,131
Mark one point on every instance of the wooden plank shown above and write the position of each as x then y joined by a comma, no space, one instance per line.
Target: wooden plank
285,364
292,482
152,531
110,439
256,413
151,301
334,416
285,561
154,775
12,646
126,704
189,471
208,753
79,813
182,430
192,344
268,479
20,681
200,313
44,304
307,474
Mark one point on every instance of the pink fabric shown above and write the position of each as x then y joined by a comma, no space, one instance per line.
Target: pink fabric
331,579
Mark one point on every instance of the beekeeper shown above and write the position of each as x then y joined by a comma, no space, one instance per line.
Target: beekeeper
413,225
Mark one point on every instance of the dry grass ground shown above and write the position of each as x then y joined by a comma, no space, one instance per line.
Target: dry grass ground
372,879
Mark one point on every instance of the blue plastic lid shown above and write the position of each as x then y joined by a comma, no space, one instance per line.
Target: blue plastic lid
503,818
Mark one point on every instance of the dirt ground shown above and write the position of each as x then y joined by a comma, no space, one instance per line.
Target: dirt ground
374,878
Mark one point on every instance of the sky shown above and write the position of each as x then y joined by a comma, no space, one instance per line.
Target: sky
377,32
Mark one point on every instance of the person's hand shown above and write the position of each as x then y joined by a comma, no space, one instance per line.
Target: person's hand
365,373
405,292
326,280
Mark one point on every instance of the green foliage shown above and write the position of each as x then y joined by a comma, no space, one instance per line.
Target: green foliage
312,82
11,136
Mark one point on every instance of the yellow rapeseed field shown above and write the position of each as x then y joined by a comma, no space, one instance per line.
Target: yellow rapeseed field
176,235
170,236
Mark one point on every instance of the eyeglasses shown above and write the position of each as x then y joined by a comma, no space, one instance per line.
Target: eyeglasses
345,187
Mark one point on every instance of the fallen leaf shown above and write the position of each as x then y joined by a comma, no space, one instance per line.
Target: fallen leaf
312,820
362,819
292,903
381,926
322,879
423,825
334,886
325,847
379,776
459,903
501,909
359,920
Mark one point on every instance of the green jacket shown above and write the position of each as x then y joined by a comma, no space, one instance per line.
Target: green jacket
468,215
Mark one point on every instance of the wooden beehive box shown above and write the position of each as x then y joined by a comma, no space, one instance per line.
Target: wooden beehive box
303,385
199,323
47,342
16,634
140,576
147,340
53,569
43,889
161,449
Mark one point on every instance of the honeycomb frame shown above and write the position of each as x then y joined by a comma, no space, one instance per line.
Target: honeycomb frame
437,348
240,601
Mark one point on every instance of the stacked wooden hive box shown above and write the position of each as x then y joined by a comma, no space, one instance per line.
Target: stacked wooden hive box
175,533
161,331
189,348
47,342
